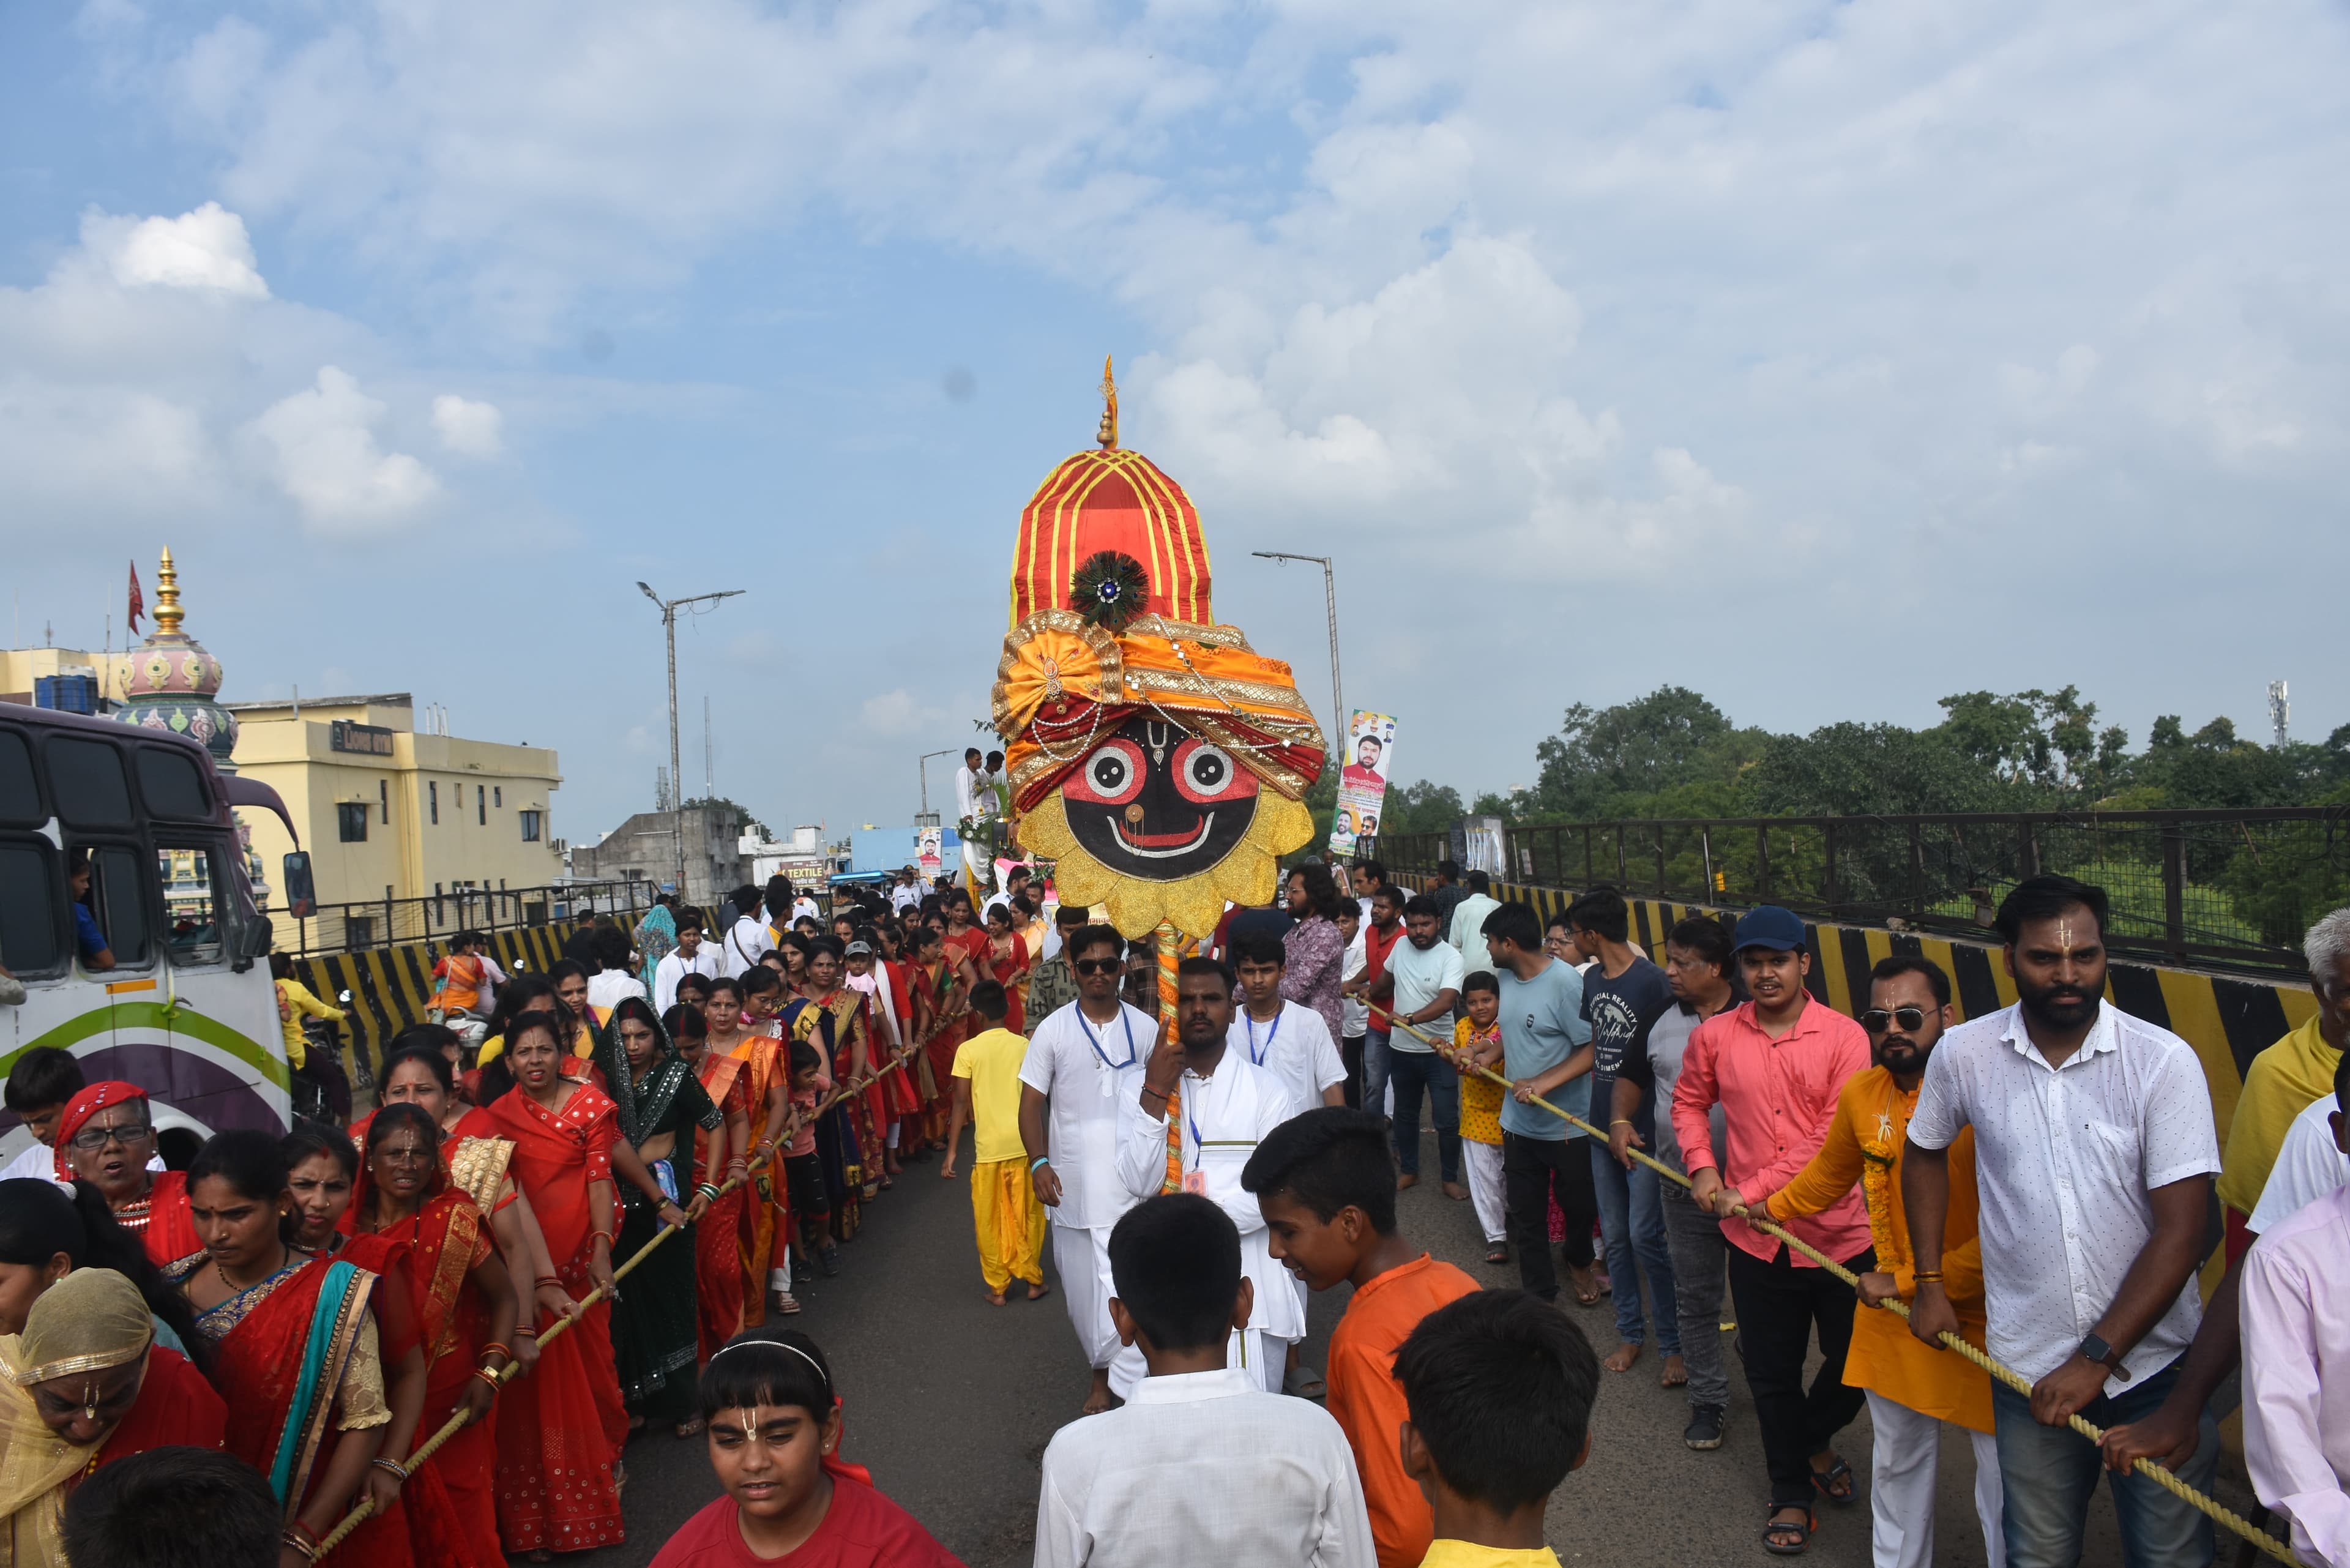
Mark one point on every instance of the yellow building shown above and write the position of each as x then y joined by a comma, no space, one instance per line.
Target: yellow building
388,813
21,667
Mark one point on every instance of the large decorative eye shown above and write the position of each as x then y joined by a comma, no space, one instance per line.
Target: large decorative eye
1113,775
1207,775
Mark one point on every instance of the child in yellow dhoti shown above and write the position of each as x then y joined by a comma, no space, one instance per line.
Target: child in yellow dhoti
1005,1211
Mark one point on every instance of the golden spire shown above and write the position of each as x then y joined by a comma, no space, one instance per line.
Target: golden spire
1108,434
167,597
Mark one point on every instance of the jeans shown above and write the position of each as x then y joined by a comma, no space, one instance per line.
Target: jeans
1350,1056
1533,1170
1632,1223
2048,1474
1695,1238
1376,1057
1779,1305
1411,1072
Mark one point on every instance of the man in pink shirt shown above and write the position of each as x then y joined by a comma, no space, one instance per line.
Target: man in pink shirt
2296,1327
1775,1065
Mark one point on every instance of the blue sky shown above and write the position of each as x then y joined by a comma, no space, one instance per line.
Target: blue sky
1827,359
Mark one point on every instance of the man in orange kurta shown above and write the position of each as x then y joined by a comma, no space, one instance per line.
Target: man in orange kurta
1912,1387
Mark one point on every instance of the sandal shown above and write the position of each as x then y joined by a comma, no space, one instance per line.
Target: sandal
1304,1382
1800,1528
1499,1253
1824,1482
1586,1291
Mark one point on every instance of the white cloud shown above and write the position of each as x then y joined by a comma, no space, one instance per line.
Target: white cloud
468,428
888,715
328,462
205,249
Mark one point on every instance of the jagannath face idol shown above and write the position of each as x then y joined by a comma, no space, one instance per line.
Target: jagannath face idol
1157,802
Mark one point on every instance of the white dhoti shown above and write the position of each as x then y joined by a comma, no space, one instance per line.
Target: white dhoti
1081,1254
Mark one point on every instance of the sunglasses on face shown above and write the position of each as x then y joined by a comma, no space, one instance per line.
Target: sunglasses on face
1877,1019
1098,966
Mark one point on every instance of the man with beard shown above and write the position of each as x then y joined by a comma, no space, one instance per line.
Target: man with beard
1911,1389
1191,1126
1777,1066
1085,1060
2093,1158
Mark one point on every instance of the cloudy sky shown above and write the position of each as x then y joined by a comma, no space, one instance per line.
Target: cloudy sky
1827,358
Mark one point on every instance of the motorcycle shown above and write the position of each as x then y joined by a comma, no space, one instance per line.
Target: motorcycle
321,1089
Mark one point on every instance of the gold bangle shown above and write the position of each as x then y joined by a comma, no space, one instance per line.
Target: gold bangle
1622,1122
1926,1277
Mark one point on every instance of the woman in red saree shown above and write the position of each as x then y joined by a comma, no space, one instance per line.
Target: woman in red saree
941,982
296,1355
717,1258
430,1238
1004,956
560,1430
755,1040
106,1137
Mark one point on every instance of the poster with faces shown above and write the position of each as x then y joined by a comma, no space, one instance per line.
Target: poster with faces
1363,779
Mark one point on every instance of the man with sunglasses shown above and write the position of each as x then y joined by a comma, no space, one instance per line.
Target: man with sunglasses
1912,1388
1084,1061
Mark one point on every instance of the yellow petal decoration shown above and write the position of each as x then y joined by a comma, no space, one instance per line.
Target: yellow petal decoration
1194,904
1052,657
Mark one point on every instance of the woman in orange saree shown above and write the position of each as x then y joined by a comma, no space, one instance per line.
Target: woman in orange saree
560,1430
717,1261
740,1016
940,985
296,1352
429,1237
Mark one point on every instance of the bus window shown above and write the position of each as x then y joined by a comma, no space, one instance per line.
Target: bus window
118,897
20,796
172,784
87,780
192,903
30,941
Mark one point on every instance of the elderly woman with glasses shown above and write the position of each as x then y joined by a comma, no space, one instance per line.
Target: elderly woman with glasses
107,1139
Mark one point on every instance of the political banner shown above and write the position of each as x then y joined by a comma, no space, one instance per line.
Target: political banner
1363,782
930,849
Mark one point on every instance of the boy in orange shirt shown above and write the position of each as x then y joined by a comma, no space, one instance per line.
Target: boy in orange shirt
1325,1183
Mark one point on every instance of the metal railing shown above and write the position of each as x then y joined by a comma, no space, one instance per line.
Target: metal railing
2229,888
393,922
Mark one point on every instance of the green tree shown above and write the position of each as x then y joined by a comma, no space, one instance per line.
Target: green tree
1603,757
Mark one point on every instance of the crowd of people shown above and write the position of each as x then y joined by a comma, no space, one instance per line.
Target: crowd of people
288,1318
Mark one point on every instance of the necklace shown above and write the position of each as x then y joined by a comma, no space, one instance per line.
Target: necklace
134,1216
284,1256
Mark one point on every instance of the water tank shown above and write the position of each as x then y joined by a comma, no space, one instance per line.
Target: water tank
75,691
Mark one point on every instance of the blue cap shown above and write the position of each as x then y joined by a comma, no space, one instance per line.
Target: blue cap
1769,926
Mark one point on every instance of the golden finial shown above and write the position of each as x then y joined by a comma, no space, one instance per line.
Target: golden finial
1108,434
168,614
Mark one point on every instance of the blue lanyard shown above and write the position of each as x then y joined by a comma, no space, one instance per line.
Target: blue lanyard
1271,1034
1125,1018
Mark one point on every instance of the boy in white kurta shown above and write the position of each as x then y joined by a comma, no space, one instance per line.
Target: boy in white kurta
1191,1126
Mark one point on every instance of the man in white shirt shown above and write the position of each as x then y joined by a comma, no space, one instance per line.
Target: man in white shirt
908,893
1468,933
1201,1466
2094,1157
2297,1328
614,980
746,938
1354,1013
1192,1123
1288,1038
1424,974
1083,1061
691,956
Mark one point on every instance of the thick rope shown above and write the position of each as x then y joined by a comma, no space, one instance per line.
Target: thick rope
2218,1511
460,1420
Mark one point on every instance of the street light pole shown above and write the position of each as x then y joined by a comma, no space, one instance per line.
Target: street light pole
1330,599
669,608
923,766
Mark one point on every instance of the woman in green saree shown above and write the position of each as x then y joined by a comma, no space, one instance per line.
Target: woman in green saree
655,1336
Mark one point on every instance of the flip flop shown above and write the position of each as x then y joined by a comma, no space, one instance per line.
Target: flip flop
1800,1529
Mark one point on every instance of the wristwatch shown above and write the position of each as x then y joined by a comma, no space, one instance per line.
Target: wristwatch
2097,1352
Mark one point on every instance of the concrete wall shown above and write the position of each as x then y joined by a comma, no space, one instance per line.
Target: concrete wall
646,846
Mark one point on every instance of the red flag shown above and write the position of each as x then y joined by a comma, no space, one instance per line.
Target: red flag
137,601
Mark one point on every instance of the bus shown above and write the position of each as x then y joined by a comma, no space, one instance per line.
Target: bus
122,834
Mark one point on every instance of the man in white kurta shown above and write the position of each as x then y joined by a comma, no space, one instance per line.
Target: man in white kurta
1083,1061
1287,1038
1211,1106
